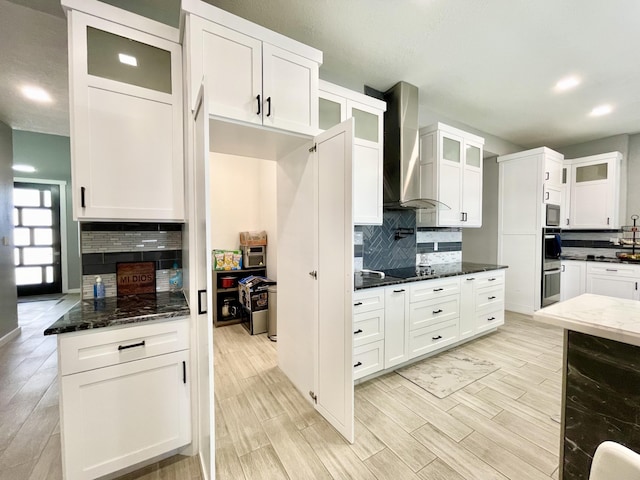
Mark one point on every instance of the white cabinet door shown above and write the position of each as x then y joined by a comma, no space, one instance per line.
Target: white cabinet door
472,186
126,124
396,331
593,194
552,171
290,89
565,203
449,178
467,306
117,416
612,286
232,67
367,184
572,279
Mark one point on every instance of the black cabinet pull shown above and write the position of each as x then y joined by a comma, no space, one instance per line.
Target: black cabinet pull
491,280
567,221
462,216
563,267
357,304
472,278
437,311
184,372
465,216
546,195
133,345
491,298
438,289
200,309
607,220
399,291
357,364
491,318
546,175
268,106
436,338
357,331
82,191
259,111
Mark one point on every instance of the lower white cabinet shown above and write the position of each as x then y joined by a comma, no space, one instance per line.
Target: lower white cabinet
368,359
482,302
572,279
428,339
122,414
613,280
396,330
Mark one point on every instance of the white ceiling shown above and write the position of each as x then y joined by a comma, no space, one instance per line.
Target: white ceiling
489,64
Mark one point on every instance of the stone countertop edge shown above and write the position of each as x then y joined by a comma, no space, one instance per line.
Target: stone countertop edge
91,314
453,270
612,318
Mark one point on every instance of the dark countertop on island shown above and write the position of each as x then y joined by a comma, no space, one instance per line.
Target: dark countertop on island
111,311
439,271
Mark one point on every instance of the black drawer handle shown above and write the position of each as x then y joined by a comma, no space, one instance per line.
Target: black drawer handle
472,278
258,99
133,345
357,304
436,338
357,364
268,106
437,311
184,372
491,298
82,192
399,291
491,279
438,289
357,331
491,318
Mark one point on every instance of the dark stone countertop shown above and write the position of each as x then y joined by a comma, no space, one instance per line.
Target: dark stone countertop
439,271
601,259
111,311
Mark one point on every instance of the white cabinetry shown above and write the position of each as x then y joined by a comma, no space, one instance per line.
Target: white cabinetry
368,331
396,326
597,192
552,188
124,396
450,171
336,104
252,74
482,302
126,121
572,279
613,280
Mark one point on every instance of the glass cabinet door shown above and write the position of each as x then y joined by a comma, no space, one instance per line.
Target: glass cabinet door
330,113
591,173
366,124
473,156
451,149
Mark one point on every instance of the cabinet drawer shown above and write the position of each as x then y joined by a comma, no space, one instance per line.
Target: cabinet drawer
431,289
429,312
432,338
368,359
490,279
368,300
88,350
489,320
613,269
488,296
368,327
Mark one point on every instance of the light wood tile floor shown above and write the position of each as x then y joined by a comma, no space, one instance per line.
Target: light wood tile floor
503,426
500,427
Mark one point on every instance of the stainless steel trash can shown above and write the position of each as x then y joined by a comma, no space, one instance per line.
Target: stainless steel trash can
273,313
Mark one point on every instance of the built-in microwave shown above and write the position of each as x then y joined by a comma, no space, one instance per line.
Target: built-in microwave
552,217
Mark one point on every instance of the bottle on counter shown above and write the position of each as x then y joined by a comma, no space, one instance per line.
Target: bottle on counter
175,279
98,288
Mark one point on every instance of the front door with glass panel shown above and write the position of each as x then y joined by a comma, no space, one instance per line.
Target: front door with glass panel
36,220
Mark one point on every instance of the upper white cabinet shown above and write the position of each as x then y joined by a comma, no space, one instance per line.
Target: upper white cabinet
450,171
597,192
565,204
552,187
252,74
336,104
126,120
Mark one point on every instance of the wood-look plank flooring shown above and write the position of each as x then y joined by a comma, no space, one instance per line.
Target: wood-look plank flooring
503,426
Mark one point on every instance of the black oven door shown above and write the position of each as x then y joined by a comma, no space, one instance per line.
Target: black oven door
551,286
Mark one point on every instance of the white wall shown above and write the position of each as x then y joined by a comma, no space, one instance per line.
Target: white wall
243,198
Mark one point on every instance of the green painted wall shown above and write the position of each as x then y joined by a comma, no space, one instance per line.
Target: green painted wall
51,156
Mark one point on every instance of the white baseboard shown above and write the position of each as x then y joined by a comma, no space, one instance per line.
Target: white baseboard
10,336
73,290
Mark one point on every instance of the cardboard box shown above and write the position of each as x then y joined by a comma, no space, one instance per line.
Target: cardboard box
227,259
253,239
252,292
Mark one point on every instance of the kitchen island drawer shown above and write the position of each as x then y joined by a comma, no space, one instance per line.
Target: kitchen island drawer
431,289
368,327
489,320
432,338
368,359
487,279
368,300
613,269
429,312
91,349
488,296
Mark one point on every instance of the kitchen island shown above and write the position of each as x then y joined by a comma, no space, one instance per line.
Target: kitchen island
601,377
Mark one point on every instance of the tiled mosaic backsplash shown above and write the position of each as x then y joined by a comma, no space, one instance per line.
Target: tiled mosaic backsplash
590,243
104,245
378,248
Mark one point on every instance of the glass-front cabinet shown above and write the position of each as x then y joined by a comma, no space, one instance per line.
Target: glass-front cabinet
336,104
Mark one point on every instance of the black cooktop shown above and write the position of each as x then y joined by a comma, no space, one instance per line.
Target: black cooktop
409,272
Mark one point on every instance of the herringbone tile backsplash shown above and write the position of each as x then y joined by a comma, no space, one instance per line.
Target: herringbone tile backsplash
380,248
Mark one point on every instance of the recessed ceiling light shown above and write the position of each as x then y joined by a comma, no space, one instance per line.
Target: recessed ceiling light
128,59
601,110
567,83
36,94
24,168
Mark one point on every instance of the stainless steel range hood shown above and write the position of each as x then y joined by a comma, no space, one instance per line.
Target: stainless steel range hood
401,152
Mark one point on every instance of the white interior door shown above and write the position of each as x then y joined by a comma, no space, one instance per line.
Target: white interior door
334,252
201,230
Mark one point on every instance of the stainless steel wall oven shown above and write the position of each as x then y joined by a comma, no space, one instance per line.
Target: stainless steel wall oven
551,266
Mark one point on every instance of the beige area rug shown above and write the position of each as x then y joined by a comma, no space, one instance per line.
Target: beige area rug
446,373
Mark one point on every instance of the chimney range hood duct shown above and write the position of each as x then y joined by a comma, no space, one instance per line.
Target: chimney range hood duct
401,188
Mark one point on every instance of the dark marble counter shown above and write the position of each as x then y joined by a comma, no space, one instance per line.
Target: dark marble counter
601,259
439,271
111,311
